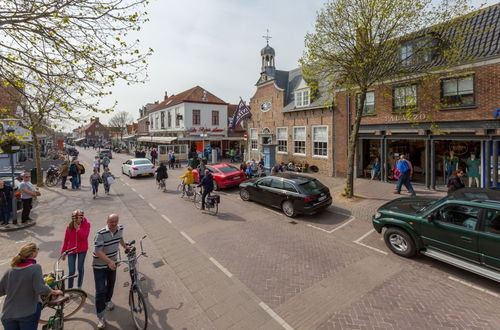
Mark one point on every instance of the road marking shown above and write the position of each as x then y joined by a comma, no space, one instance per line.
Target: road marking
126,183
141,197
470,285
222,268
166,218
190,240
277,213
152,206
351,218
358,241
133,189
275,316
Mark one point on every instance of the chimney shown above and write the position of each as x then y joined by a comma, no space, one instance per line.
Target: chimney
166,95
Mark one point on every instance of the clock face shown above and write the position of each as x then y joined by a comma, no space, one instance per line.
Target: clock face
265,106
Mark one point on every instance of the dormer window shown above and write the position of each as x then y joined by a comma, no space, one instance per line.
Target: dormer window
302,98
418,51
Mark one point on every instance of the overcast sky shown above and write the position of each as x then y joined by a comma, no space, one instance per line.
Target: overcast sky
215,44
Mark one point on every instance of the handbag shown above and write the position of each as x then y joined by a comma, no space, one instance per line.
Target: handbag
110,180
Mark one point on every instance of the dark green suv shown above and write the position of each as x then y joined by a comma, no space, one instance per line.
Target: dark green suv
462,229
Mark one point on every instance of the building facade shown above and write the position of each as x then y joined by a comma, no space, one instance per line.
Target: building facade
93,133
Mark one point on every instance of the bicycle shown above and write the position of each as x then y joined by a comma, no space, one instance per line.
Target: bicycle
136,299
160,184
66,305
189,192
211,203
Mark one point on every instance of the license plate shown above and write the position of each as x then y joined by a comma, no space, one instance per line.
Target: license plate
322,198
236,178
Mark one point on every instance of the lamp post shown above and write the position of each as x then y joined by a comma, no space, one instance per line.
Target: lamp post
10,130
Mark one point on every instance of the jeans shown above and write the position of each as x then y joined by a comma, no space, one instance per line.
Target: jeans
204,195
404,179
63,181
104,286
75,182
95,188
106,187
29,322
71,264
25,216
5,214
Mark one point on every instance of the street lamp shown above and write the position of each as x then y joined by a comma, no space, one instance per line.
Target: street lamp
10,130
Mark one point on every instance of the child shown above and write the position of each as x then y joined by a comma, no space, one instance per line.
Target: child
95,179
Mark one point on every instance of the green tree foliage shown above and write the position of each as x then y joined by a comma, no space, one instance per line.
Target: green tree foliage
357,44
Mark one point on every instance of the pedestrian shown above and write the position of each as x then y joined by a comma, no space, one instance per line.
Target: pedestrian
455,181
232,153
105,162
201,169
64,172
97,163
95,179
106,248
22,285
28,192
73,173
81,170
161,173
375,171
276,169
243,167
107,180
76,236
207,184
154,156
405,172
5,202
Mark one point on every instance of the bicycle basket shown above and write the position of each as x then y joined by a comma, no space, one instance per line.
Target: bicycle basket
214,198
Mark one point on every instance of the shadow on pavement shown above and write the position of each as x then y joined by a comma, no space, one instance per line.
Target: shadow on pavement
229,217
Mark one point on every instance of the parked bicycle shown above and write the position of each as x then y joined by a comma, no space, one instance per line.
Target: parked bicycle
136,299
53,176
186,190
211,202
57,309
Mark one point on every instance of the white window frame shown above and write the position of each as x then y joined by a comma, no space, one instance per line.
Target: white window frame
295,140
254,137
278,139
406,54
302,97
313,141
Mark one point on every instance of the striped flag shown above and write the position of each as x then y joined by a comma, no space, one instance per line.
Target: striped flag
242,112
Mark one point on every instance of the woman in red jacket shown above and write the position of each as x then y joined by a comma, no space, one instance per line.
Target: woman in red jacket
77,235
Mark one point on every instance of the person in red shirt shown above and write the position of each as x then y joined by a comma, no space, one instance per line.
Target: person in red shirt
77,235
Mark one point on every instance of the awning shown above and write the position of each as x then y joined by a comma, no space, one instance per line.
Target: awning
157,139
129,137
212,138
80,139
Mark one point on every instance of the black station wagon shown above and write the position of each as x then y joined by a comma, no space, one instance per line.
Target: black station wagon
462,229
293,193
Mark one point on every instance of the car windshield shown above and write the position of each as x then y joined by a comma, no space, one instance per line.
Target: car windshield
142,162
228,169
428,206
312,187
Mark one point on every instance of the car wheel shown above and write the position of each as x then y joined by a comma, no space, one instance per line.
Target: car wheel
400,242
130,175
245,195
216,186
288,209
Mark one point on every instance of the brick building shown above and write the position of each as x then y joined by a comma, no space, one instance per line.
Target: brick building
289,122
462,102
93,133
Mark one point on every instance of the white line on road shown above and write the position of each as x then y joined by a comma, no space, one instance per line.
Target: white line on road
126,183
470,285
364,236
275,316
141,197
222,268
351,218
133,189
166,218
190,240
152,206
358,241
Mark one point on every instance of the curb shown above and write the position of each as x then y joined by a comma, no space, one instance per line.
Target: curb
19,226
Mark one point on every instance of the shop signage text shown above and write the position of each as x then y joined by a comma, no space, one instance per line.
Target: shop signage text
414,117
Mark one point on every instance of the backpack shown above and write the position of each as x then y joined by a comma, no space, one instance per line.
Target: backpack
82,169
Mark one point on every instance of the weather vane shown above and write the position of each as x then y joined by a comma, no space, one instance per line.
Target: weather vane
267,37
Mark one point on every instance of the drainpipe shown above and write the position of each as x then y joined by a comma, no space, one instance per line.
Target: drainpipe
495,163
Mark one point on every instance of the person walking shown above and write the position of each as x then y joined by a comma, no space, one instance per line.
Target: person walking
64,172
406,171
5,203
232,153
28,191
77,235
73,173
154,156
106,180
207,183
95,179
22,285
105,162
106,248
455,181
81,170
97,163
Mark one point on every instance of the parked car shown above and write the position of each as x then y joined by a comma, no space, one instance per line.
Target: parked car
138,167
106,152
293,193
225,175
462,229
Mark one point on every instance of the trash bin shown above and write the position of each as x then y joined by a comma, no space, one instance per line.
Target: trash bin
33,175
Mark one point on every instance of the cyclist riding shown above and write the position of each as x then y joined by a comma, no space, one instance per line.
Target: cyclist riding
188,177
161,174
207,183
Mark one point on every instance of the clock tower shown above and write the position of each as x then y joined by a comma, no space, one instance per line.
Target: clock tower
268,69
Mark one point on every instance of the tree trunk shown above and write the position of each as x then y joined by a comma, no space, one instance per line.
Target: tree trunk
38,159
353,143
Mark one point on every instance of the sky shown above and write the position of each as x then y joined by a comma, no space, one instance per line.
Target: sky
215,44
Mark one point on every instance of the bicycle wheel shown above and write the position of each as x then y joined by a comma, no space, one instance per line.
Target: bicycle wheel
138,308
72,306
51,181
214,208
180,190
197,200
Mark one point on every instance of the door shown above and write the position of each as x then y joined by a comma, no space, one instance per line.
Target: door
452,229
489,240
263,193
126,166
277,192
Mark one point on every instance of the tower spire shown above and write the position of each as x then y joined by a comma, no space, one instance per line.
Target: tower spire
267,37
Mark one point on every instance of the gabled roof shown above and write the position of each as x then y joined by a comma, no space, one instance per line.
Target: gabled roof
193,95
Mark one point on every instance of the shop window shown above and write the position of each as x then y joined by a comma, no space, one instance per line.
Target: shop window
253,139
320,141
404,98
299,140
282,134
196,117
369,108
215,118
302,98
457,92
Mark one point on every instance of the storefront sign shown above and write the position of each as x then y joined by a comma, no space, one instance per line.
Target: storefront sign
413,117
460,148
496,113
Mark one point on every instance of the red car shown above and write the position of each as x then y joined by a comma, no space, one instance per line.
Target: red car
225,175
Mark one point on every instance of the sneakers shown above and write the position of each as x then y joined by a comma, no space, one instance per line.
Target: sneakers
110,306
101,323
